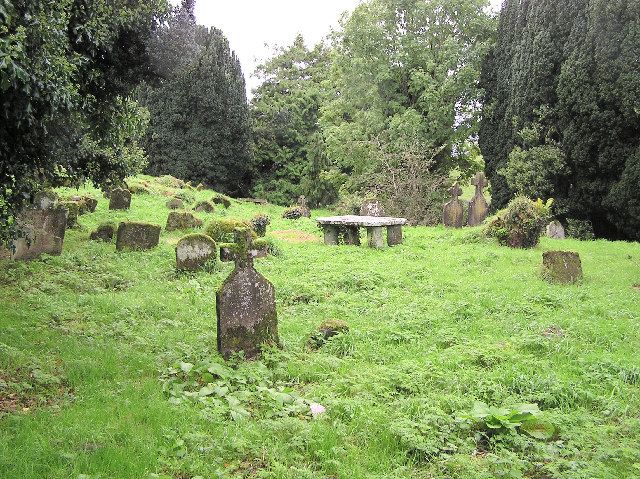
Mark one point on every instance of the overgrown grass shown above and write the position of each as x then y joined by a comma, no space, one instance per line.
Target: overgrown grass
105,349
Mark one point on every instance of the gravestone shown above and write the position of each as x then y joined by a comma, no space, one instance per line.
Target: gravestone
562,266
175,204
194,251
42,230
372,208
204,207
104,232
73,208
478,207
119,199
453,211
555,230
137,236
221,200
245,305
302,206
182,220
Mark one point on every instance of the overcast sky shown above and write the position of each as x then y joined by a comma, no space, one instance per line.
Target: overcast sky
250,24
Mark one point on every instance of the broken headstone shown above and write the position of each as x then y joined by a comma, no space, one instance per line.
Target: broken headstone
562,266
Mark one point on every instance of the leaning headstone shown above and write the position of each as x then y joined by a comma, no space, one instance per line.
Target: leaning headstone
555,230
453,212
104,232
193,252
478,207
303,208
372,208
562,266
119,199
42,231
182,220
137,236
245,305
175,204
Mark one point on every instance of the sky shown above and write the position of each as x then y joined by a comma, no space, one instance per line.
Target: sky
255,27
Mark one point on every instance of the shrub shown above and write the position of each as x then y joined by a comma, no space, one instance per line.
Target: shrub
186,196
580,229
259,224
520,224
221,230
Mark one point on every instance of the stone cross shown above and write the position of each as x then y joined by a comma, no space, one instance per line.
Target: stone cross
453,212
245,305
478,207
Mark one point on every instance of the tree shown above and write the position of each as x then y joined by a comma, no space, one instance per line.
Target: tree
288,146
406,74
199,128
66,71
576,62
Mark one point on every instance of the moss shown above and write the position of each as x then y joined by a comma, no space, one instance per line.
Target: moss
222,230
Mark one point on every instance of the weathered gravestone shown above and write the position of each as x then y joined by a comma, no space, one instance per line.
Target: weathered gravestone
302,206
204,207
372,208
104,232
137,236
478,207
245,305
562,266
453,212
175,204
119,199
194,251
182,220
555,230
42,230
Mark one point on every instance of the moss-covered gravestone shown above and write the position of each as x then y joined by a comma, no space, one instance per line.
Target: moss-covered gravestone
119,199
104,232
175,204
453,212
562,266
137,236
245,305
204,207
478,206
182,220
194,251
42,229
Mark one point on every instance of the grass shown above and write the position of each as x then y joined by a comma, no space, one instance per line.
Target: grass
100,352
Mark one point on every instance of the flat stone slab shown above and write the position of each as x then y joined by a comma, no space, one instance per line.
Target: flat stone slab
364,221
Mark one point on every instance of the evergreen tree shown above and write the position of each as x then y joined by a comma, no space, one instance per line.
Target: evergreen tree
199,118
561,113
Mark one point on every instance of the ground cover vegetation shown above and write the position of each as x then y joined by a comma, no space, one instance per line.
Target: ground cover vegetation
459,361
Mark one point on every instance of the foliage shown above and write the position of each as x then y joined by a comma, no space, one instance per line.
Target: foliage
566,71
259,224
222,229
496,420
288,146
520,224
579,229
66,71
199,128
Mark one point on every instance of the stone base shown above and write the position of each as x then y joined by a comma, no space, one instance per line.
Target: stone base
375,237
352,235
394,235
330,235
562,266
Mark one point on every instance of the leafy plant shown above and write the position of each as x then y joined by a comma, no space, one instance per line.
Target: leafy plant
500,420
520,224
259,224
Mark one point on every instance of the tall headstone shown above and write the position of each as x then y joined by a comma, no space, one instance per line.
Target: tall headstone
372,208
478,207
453,212
302,206
119,199
245,305
43,227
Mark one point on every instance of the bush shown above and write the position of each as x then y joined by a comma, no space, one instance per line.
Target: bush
580,229
222,230
520,224
259,224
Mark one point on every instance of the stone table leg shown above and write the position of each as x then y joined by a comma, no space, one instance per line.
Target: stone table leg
375,236
330,234
352,235
394,235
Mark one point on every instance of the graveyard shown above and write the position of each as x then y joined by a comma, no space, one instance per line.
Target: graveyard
446,356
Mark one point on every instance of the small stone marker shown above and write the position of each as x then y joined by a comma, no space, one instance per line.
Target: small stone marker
555,230
194,251
175,204
104,232
182,220
137,236
372,208
562,266
43,229
302,206
119,199
478,207
204,207
453,212
221,200
245,305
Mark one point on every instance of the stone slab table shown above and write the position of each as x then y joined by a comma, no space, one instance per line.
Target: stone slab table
375,229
